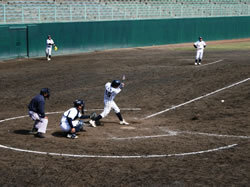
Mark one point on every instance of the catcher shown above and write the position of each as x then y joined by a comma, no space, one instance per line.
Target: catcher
69,121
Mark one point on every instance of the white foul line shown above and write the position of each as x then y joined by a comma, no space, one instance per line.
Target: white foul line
198,98
212,63
120,157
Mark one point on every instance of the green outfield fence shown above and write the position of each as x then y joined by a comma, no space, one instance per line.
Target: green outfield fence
28,40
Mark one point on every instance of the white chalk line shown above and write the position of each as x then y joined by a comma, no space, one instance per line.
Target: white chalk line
122,156
217,135
198,98
212,62
171,133
48,113
174,133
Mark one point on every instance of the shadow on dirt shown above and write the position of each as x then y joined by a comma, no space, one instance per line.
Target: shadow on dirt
59,134
22,132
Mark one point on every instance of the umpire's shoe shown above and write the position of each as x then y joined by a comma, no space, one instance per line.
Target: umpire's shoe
39,135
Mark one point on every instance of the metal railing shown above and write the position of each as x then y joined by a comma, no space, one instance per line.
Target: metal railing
28,13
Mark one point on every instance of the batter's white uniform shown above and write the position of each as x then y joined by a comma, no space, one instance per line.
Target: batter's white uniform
72,113
49,45
200,49
109,96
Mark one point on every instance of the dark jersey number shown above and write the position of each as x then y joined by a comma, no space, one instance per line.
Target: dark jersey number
108,93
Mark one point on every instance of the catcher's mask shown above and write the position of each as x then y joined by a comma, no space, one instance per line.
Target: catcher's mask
45,92
78,103
115,83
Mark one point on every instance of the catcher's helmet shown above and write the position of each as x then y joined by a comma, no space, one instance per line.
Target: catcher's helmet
78,103
115,83
45,91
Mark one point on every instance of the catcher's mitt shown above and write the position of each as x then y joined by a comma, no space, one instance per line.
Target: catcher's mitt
55,48
93,115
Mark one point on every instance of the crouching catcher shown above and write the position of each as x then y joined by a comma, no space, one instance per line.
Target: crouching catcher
71,122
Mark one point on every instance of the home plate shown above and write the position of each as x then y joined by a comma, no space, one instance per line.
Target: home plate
128,128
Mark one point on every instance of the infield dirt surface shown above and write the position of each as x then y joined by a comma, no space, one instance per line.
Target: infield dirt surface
157,78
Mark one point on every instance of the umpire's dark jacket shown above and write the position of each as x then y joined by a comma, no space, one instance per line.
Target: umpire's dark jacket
37,105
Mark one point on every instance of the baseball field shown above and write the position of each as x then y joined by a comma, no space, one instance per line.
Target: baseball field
189,125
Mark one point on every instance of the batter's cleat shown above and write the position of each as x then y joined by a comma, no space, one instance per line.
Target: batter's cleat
72,136
195,64
92,123
49,59
124,122
39,135
33,131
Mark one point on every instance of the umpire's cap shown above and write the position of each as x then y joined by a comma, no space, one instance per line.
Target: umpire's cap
45,91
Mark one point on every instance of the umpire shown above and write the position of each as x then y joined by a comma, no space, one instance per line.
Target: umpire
37,113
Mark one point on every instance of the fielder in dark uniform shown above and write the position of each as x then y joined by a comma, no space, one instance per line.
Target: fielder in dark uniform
37,113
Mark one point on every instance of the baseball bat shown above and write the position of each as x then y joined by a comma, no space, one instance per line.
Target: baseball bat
123,78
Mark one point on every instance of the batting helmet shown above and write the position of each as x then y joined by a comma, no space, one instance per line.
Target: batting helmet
115,83
45,91
78,103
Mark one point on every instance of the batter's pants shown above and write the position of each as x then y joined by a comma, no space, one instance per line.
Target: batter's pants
108,105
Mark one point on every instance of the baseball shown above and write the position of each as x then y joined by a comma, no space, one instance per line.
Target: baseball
222,101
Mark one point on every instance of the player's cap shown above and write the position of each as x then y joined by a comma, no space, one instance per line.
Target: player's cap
200,37
115,83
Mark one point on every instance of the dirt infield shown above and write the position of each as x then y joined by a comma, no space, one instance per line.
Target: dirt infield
197,140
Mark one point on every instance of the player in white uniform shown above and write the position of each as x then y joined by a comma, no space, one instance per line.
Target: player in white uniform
111,90
69,121
200,45
49,44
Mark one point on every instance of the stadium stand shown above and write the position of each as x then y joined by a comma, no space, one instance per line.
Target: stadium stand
21,11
